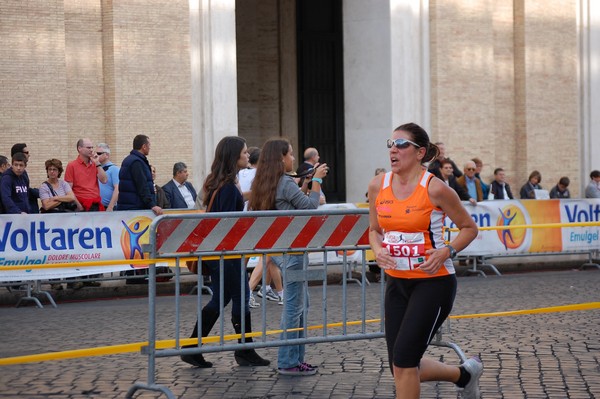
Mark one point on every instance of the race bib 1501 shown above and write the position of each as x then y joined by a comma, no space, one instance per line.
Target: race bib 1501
407,248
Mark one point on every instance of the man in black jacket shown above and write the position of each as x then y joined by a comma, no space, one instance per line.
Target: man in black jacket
499,189
136,189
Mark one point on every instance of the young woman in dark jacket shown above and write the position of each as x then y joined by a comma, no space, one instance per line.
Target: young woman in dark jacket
222,194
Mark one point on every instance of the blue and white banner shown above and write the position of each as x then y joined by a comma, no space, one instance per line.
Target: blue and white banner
71,237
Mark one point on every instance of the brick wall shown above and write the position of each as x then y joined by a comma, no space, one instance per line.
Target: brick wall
152,84
504,80
33,87
504,86
72,69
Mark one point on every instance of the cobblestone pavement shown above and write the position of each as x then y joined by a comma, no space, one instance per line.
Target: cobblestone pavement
550,355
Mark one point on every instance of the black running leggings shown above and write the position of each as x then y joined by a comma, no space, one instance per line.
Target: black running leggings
414,310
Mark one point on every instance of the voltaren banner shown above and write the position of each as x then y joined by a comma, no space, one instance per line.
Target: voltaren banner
71,237
533,212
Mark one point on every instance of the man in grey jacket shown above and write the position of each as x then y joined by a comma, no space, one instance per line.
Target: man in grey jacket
593,189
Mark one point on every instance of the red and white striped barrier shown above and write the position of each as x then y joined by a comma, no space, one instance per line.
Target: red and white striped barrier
220,232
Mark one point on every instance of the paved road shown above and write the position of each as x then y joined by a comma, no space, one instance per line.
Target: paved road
553,355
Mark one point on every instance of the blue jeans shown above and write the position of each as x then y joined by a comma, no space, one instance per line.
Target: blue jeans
295,295
233,277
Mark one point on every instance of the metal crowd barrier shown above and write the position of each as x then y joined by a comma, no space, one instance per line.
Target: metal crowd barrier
481,259
30,290
242,234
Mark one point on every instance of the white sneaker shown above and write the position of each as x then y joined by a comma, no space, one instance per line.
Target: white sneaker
474,367
270,295
253,303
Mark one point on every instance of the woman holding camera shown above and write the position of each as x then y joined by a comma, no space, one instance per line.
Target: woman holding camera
274,188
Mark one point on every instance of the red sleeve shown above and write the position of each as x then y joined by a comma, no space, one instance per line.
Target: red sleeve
69,173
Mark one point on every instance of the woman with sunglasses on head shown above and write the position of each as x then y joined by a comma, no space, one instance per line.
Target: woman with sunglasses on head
407,207
221,193
274,188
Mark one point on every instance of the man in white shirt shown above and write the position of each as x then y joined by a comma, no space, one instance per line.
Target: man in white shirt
179,191
246,176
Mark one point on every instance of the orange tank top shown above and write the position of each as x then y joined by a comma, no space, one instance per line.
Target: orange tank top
410,227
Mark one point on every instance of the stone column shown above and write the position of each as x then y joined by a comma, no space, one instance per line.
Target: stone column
386,81
214,79
589,87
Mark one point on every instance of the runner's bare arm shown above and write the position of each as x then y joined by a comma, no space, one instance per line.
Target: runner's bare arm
446,198
382,255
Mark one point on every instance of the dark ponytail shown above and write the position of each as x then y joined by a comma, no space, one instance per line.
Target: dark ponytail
432,153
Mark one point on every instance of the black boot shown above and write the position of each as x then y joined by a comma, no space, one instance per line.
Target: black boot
209,318
246,357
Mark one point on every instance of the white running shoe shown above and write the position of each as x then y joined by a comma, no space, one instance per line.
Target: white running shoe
271,295
474,367
253,303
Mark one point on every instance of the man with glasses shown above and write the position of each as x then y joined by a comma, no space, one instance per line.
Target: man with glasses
471,183
109,191
83,174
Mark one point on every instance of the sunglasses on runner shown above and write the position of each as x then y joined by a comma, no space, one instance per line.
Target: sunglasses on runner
401,143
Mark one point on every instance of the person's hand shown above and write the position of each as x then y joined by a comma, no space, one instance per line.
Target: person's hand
110,208
79,208
157,210
95,159
472,201
384,259
321,170
435,260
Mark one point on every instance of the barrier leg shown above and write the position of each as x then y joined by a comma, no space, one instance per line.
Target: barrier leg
491,266
155,388
349,268
33,288
205,289
29,297
590,262
482,263
38,290
474,269
439,341
150,350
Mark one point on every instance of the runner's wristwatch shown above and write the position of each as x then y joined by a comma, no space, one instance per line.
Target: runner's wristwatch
453,252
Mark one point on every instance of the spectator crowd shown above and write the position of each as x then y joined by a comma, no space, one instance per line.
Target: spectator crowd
469,185
241,178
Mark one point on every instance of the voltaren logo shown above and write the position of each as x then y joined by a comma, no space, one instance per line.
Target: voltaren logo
134,235
511,215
